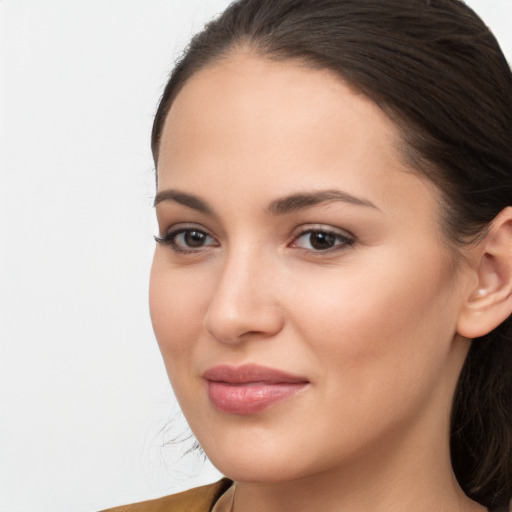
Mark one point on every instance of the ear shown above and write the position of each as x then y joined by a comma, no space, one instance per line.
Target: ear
489,303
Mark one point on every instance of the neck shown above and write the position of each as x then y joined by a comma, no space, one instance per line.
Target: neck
359,489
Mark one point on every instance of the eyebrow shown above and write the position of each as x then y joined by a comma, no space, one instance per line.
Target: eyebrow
185,199
281,206
303,201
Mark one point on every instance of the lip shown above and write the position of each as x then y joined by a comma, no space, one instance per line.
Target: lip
250,388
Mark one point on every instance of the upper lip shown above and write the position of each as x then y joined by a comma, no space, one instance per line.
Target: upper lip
250,373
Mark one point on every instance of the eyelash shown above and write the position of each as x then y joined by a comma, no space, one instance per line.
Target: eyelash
169,239
344,241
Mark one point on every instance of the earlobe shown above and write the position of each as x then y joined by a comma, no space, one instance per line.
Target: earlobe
490,302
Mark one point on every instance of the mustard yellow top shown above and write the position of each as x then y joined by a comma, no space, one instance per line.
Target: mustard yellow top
217,497
199,499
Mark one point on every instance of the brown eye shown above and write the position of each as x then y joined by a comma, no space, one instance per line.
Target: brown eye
321,241
190,239
318,240
194,238
187,240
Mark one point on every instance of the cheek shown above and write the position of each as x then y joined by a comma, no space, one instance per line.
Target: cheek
391,318
377,344
176,309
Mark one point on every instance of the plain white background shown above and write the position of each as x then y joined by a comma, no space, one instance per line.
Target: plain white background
84,398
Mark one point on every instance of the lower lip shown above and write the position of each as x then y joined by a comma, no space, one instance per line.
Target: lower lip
252,397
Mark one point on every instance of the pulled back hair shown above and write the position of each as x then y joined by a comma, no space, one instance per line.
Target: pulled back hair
439,74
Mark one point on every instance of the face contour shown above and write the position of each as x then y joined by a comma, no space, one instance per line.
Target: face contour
302,296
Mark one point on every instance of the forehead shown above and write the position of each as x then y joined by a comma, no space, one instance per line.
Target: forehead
251,123
263,99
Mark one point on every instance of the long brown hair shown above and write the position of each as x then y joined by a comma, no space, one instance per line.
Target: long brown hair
438,72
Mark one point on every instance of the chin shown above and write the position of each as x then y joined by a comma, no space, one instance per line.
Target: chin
258,471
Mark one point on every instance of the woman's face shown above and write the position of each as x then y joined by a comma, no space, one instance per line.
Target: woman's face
304,301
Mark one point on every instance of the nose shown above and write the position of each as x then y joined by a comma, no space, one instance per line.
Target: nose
244,304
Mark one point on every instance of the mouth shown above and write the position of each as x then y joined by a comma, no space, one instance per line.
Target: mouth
249,389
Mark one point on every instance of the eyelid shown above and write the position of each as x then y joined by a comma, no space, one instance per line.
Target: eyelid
327,228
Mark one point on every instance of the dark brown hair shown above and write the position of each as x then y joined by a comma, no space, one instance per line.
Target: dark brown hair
438,72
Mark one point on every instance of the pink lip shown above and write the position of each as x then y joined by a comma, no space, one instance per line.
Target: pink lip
249,388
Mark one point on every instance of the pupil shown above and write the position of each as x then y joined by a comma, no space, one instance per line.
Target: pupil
322,241
194,238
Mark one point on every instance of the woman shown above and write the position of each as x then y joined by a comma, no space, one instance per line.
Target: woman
332,284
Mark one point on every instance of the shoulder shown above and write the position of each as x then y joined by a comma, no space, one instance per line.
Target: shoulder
199,499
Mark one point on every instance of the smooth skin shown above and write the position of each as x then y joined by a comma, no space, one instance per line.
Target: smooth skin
350,284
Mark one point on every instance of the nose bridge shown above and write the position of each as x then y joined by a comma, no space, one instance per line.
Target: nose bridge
244,300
